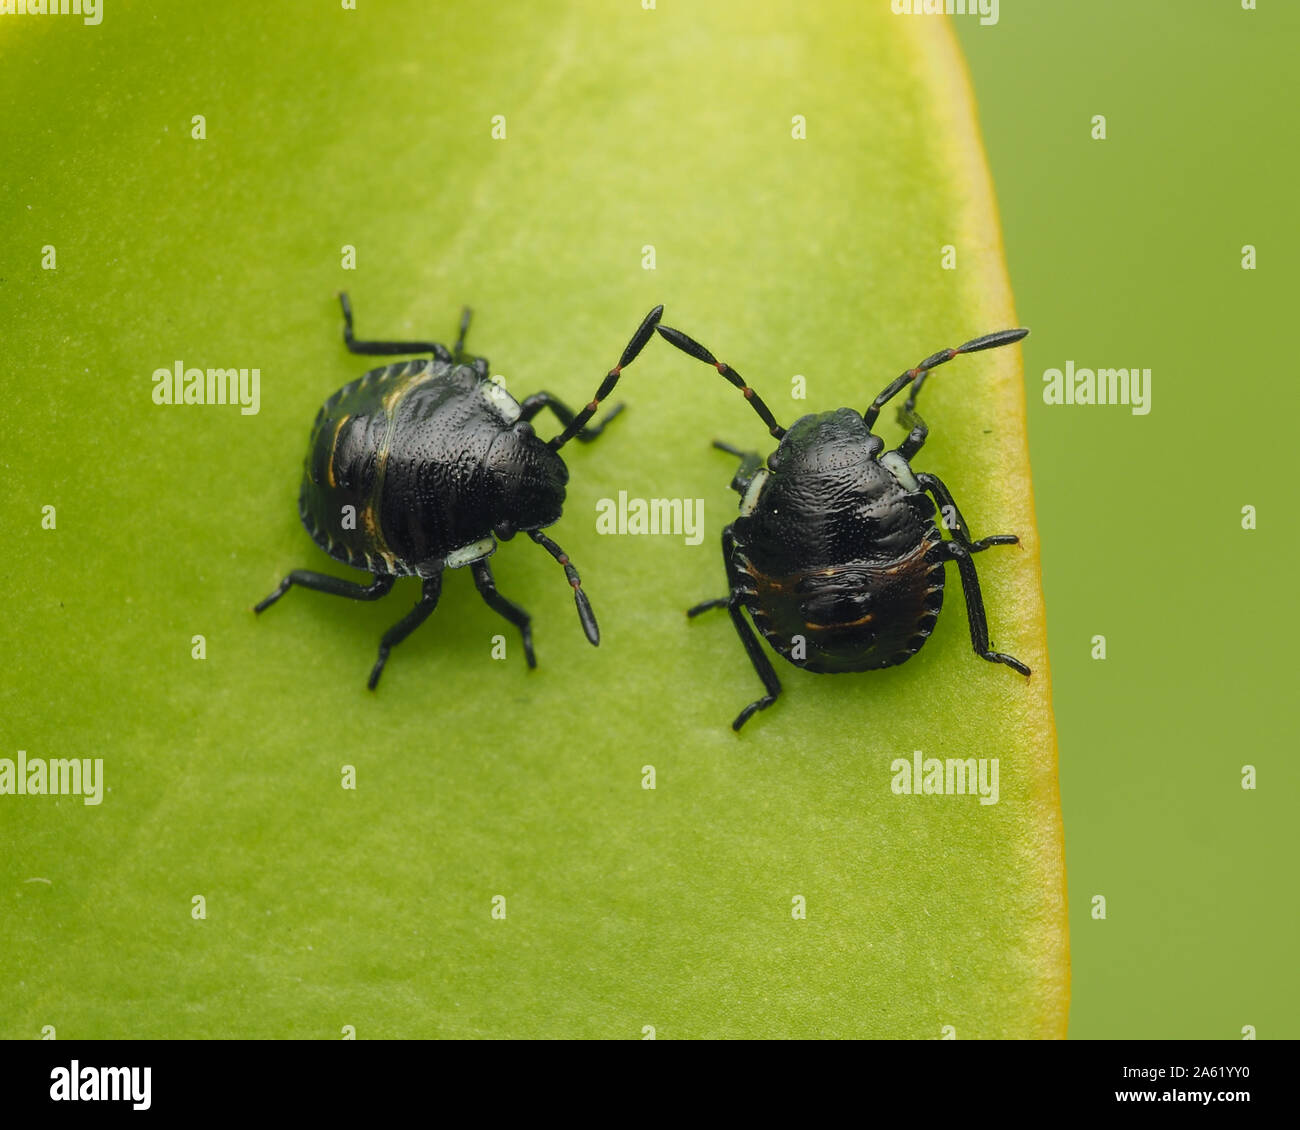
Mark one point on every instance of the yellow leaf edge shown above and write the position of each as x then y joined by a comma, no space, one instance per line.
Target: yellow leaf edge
941,59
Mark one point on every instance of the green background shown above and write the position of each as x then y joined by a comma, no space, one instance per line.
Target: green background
1128,252
628,907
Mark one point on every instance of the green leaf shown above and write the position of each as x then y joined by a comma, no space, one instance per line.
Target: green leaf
626,907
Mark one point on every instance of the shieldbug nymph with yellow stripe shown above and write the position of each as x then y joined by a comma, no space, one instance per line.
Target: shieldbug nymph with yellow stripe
421,466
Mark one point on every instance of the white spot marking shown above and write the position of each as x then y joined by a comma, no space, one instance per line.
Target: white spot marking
494,392
468,554
749,503
897,466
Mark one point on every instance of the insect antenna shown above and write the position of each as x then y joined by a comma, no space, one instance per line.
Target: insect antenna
988,341
692,347
643,334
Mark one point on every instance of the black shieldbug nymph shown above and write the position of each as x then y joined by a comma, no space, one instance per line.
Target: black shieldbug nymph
835,552
420,466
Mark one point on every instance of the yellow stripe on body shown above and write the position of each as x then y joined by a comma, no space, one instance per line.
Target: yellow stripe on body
392,401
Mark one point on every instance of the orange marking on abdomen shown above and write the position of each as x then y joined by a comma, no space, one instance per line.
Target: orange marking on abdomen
839,627
334,443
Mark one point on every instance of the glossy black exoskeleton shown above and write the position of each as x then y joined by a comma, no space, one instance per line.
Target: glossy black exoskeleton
835,553
421,466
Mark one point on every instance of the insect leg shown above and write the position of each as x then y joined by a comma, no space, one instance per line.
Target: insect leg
335,586
953,522
487,587
910,419
960,550
693,348
979,628
761,663
585,614
728,543
975,345
734,603
750,464
389,348
643,334
458,350
407,624
539,400
918,430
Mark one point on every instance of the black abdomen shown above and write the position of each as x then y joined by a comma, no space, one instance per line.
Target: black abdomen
398,468
858,616
347,462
